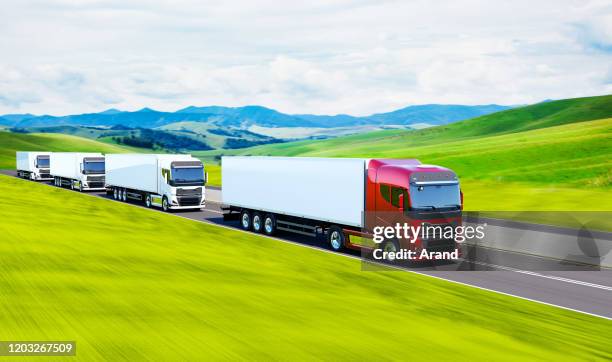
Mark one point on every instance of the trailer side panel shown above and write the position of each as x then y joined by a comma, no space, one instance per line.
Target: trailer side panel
325,189
132,171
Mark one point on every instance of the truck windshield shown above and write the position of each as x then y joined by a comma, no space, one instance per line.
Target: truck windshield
42,161
188,176
92,167
435,197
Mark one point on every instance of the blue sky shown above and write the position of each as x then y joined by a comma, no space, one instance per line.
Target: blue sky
326,57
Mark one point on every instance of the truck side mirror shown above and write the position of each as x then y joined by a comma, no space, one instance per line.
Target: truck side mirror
81,167
400,199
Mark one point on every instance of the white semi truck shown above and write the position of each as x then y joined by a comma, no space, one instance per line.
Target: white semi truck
33,165
171,182
78,171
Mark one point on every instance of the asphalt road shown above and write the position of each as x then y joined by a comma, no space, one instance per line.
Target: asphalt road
586,289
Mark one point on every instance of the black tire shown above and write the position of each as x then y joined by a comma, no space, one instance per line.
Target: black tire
391,245
72,184
165,205
80,186
124,195
245,220
257,222
269,227
336,238
115,193
147,200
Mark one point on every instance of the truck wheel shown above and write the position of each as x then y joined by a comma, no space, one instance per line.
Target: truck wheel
165,206
257,222
124,195
148,200
32,177
245,220
72,184
335,237
390,246
80,186
269,225
115,193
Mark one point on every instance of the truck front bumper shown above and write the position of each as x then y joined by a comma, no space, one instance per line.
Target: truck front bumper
196,207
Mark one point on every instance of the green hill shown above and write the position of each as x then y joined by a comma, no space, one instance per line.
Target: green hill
548,156
12,142
136,284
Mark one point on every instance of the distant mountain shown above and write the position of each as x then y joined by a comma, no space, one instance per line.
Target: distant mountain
436,114
14,118
245,117
111,111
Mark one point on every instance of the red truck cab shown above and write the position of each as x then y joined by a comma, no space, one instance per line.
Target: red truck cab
404,191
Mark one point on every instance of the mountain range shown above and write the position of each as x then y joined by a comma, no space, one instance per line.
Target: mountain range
245,117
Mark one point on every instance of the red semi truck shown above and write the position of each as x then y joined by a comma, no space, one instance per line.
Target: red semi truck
342,199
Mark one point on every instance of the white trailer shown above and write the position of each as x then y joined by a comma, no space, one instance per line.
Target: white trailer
167,181
78,171
308,196
33,165
326,189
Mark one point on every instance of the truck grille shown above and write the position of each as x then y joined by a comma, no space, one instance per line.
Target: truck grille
189,201
436,241
439,245
189,192
95,178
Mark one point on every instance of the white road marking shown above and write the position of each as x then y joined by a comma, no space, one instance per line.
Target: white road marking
562,279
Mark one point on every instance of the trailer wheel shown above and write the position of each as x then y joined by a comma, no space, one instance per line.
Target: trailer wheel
269,224
72,184
148,200
336,238
257,222
115,193
245,220
165,206
124,195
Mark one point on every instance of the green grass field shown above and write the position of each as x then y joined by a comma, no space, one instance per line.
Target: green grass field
127,283
549,156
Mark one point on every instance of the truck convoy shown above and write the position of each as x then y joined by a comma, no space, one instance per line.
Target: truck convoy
341,199
78,171
167,181
33,165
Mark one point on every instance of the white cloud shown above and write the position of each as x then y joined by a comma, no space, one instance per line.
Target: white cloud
355,57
